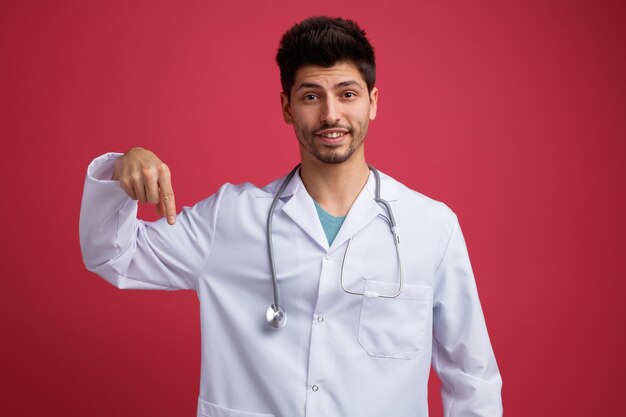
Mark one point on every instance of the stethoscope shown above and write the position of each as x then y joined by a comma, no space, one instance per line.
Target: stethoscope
276,315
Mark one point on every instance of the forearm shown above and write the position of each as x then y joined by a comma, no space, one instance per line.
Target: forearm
130,253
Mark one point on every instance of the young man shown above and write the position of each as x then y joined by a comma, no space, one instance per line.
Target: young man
367,313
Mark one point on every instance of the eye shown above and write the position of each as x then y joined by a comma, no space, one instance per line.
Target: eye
349,94
309,97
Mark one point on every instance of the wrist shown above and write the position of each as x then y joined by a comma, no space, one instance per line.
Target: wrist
116,169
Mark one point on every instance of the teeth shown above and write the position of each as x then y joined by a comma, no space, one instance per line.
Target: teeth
333,135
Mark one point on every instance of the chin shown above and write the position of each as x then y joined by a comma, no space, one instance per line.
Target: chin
333,157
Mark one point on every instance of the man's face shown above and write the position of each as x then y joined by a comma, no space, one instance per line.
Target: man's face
330,109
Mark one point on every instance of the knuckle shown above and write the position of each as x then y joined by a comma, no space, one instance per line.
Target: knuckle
163,168
167,196
149,173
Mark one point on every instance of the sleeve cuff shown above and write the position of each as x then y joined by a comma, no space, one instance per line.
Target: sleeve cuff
101,168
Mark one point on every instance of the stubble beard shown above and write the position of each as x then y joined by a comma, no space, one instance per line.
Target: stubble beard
327,153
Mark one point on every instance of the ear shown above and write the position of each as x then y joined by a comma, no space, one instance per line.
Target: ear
284,101
373,103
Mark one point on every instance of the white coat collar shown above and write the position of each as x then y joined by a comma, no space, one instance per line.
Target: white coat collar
388,191
299,206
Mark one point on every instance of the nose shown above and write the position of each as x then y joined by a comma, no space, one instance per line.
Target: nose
330,112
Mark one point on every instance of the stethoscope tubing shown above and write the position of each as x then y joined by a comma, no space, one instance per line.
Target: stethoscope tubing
270,246
276,315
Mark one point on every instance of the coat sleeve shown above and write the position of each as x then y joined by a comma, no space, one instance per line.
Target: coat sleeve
133,254
462,353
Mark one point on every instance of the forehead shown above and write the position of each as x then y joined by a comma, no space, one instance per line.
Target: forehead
329,76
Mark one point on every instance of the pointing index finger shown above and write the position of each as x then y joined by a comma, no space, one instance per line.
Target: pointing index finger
166,195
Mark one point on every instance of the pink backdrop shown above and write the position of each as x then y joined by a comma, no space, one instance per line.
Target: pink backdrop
513,113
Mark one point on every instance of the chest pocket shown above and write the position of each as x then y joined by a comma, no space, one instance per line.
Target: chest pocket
394,327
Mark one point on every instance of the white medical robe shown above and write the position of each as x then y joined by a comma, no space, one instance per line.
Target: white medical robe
339,354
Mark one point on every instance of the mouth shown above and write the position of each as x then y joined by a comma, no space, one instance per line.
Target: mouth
332,136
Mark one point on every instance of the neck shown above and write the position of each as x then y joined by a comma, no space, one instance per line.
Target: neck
335,187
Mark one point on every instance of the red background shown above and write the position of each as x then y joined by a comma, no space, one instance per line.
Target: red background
513,113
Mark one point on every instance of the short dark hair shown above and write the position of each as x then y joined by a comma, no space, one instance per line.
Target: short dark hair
324,41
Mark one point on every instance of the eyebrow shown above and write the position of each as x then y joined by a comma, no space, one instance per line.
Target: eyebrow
339,85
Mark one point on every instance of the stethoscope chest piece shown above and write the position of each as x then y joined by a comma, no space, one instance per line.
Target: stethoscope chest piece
276,318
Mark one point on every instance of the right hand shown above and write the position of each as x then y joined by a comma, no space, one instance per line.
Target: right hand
146,178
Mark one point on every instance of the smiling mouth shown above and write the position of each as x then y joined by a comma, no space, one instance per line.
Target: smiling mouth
333,135
332,138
